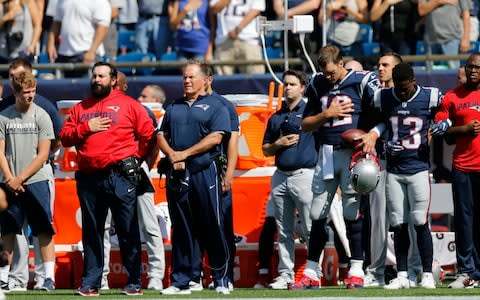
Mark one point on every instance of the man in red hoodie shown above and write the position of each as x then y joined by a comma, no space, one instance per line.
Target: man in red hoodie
112,134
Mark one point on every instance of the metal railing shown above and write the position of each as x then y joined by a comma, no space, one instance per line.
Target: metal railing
59,68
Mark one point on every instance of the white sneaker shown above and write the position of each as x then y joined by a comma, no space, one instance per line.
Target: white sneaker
370,280
459,282
195,286
221,290
412,278
281,282
16,286
230,286
155,283
398,283
427,281
173,290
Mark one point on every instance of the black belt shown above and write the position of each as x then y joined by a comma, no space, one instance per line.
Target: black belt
150,16
119,167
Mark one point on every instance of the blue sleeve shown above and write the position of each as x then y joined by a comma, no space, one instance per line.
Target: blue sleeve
52,111
152,116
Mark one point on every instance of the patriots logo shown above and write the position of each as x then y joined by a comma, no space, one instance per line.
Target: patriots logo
115,108
475,107
203,106
298,116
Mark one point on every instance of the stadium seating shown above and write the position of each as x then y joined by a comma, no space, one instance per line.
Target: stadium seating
371,49
136,57
126,41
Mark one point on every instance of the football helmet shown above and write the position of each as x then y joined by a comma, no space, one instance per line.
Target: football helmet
364,172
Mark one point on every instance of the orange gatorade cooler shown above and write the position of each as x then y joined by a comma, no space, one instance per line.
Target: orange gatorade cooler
253,113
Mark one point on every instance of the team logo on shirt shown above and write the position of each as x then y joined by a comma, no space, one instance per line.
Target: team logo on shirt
202,106
475,107
115,108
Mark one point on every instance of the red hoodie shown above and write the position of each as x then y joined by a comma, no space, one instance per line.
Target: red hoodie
131,132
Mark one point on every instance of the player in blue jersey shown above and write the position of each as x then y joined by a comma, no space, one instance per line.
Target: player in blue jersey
408,109
336,98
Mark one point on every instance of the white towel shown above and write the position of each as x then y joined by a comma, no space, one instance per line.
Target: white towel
327,161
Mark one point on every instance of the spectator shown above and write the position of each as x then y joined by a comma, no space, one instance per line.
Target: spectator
153,32
189,18
236,36
21,27
80,27
295,158
26,175
343,22
110,144
396,26
111,39
128,17
447,27
311,39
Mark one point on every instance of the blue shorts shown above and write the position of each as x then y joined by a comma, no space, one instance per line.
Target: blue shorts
34,205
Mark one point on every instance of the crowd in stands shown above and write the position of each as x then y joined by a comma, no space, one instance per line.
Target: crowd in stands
223,30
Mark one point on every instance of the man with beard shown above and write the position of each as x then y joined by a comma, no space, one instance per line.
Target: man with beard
112,134
461,108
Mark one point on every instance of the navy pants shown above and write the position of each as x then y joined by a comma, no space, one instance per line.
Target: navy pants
197,224
227,211
466,197
97,193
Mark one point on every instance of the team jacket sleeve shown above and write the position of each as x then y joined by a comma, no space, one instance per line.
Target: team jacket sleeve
144,130
73,131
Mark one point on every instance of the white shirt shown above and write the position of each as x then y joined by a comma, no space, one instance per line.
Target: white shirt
79,19
231,15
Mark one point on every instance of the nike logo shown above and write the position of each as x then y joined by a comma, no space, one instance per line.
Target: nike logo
211,187
130,190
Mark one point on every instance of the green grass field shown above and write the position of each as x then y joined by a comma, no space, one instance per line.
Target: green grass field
340,292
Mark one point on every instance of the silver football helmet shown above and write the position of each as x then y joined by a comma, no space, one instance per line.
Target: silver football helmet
364,172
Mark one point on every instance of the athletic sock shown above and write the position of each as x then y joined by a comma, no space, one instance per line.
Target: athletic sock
318,239
354,234
49,267
265,243
425,246
401,244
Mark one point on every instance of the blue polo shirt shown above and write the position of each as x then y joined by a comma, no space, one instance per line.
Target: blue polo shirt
184,126
285,121
234,122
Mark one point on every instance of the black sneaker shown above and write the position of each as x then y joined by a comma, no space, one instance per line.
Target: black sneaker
87,291
132,290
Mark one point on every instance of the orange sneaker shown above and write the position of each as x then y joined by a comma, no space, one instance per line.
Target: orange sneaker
353,282
305,283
